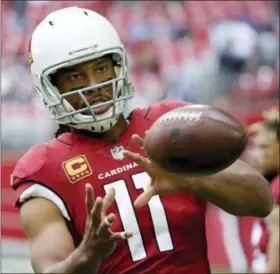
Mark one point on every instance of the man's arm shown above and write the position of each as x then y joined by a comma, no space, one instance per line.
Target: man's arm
273,244
51,245
240,190
52,248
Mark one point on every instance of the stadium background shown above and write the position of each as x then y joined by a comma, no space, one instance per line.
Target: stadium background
224,53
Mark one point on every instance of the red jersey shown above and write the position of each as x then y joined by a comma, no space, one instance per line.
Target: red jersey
261,232
169,233
275,189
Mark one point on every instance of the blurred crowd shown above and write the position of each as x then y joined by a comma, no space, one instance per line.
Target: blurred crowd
213,52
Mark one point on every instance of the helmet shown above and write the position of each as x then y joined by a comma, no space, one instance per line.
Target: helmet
68,37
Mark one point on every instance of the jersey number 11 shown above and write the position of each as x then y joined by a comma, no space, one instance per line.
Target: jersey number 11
129,221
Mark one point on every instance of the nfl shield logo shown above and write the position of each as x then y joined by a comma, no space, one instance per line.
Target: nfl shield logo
117,152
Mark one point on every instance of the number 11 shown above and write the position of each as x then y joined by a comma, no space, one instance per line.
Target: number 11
129,220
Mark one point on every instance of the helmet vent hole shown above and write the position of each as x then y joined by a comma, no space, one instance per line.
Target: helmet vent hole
85,13
51,23
102,128
93,128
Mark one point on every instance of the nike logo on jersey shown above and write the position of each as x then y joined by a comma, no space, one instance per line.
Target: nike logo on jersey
77,168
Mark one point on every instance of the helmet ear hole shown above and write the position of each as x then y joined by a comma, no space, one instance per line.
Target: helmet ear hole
117,58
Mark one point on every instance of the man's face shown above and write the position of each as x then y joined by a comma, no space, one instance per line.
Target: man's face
87,74
264,153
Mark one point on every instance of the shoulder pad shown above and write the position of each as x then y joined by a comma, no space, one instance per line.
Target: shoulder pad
169,105
29,164
157,110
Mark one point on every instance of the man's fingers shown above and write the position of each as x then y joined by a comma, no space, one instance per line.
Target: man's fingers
103,230
109,199
106,223
97,211
137,158
89,199
138,140
117,236
145,197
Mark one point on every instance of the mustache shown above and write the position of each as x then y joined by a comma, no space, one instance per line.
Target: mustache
81,87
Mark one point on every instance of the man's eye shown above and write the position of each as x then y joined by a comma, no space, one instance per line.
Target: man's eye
101,69
74,77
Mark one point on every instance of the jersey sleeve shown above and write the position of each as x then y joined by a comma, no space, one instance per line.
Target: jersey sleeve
29,179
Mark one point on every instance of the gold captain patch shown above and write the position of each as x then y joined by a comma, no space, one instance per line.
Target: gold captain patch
77,168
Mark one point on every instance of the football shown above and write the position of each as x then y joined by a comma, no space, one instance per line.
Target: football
196,140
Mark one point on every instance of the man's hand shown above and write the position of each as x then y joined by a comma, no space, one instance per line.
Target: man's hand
162,181
99,241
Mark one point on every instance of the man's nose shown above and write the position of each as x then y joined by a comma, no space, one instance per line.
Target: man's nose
91,82
91,79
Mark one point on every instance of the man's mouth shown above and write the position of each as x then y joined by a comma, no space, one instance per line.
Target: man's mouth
98,110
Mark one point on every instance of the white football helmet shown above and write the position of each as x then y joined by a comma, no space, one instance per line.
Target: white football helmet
68,37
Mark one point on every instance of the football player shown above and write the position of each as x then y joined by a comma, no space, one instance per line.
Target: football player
264,156
89,198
